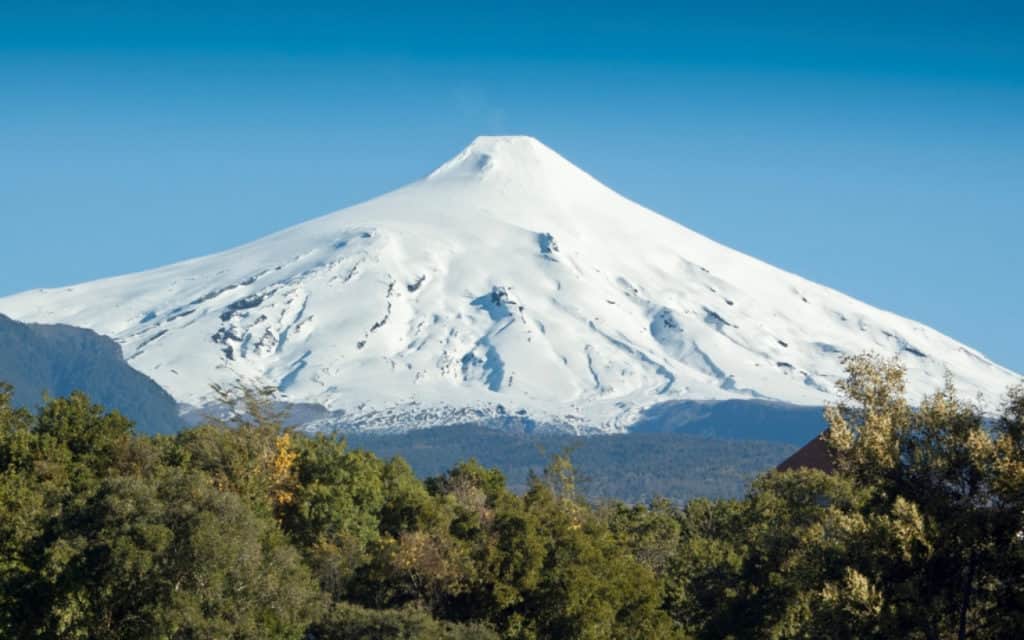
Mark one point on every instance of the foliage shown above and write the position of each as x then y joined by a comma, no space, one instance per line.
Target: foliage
242,528
101,538
351,622
918,535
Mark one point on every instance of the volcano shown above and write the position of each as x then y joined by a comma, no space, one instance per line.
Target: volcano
507,282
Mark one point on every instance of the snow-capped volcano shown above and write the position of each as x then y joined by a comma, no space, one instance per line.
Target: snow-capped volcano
508,281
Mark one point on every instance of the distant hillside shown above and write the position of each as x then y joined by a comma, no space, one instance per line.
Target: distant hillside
59,359
633,467
737,419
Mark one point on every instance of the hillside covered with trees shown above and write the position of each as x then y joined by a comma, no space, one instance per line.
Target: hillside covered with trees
632,467
56,359
245,529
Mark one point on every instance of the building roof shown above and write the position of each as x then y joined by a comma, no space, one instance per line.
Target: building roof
813,455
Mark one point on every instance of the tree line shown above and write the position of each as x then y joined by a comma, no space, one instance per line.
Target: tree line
632,467
243,528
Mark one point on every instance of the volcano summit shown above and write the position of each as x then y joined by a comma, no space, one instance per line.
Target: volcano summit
508,282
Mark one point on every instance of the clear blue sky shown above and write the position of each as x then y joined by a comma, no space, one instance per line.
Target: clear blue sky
877,148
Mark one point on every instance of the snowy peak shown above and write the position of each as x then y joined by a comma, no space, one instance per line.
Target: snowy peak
521,162
519,180
488,156
507,282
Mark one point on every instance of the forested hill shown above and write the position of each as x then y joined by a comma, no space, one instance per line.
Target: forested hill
59,359
633,467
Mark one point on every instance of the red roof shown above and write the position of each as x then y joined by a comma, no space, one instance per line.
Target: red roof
813,455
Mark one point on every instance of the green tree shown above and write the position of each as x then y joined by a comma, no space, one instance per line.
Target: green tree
917,535
334,508
590,586
100,539
943,461
352,622
171,557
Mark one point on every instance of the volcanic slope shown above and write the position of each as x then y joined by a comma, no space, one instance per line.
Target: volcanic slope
508,282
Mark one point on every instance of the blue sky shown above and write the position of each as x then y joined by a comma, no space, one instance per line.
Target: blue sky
877,149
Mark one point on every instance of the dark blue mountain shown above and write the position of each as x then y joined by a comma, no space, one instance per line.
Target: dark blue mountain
58,359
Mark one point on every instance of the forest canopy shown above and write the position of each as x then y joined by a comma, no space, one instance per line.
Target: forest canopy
242,528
